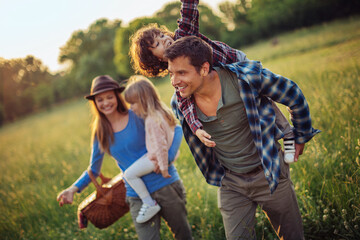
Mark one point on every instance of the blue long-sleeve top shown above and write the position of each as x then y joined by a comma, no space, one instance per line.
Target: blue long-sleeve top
128,146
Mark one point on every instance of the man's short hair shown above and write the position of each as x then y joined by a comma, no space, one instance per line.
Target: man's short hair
197,50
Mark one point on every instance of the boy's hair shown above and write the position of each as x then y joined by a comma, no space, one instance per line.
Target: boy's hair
142,59
197,50
142,91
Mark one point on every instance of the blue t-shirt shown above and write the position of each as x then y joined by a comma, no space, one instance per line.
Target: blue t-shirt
129,145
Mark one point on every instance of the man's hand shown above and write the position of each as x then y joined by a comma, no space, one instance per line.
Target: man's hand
299,148
205,138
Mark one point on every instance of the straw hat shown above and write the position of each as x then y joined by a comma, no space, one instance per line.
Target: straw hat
102,84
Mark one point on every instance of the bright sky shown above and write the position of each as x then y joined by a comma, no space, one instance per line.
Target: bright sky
41,27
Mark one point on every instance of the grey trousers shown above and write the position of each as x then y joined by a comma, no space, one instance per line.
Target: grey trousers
240,194
172,199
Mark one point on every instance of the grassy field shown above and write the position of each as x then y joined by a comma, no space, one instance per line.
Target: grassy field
46,152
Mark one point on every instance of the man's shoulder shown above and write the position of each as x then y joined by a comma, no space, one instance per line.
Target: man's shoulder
244,66
246,71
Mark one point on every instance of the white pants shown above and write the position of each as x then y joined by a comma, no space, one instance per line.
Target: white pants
133,175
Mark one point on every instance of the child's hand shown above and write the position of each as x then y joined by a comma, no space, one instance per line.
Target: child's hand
165,173
205,138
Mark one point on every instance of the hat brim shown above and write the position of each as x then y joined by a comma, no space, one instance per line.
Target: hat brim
92,96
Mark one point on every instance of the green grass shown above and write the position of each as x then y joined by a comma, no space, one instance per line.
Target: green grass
44,153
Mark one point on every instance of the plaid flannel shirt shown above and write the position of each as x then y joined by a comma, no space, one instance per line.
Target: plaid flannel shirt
256,87
188,25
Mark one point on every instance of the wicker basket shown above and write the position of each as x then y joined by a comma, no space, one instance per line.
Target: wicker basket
106,205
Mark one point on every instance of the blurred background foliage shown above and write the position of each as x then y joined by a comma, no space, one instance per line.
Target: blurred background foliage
27,85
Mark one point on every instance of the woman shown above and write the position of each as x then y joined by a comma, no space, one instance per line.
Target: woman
120,133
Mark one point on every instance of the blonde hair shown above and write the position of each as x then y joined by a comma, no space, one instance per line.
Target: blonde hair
101,127
141,90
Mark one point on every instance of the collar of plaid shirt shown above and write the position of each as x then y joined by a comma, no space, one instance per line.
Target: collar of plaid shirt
253,79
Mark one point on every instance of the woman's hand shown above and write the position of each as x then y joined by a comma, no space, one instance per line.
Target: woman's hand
67,196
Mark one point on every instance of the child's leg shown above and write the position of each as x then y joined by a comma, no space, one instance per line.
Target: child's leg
289,140
139,168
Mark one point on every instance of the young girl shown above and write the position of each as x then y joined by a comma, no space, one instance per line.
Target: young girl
159,132
119,132
147,49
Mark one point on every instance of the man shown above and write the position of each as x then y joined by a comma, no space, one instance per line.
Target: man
247,163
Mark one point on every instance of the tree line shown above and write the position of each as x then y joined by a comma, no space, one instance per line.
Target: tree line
26,85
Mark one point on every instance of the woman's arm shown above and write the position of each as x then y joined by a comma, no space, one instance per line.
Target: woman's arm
95,166
67,195
178,134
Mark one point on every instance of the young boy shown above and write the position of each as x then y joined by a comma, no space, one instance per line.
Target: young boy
147,49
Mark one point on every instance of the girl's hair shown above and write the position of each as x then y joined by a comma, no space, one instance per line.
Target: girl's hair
142,91
142,59
101,127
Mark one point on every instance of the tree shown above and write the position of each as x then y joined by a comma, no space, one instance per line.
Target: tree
235,13
252,20
90,53
240,30
19,93
169,14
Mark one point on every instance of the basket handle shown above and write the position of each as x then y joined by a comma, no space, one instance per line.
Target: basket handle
93,179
